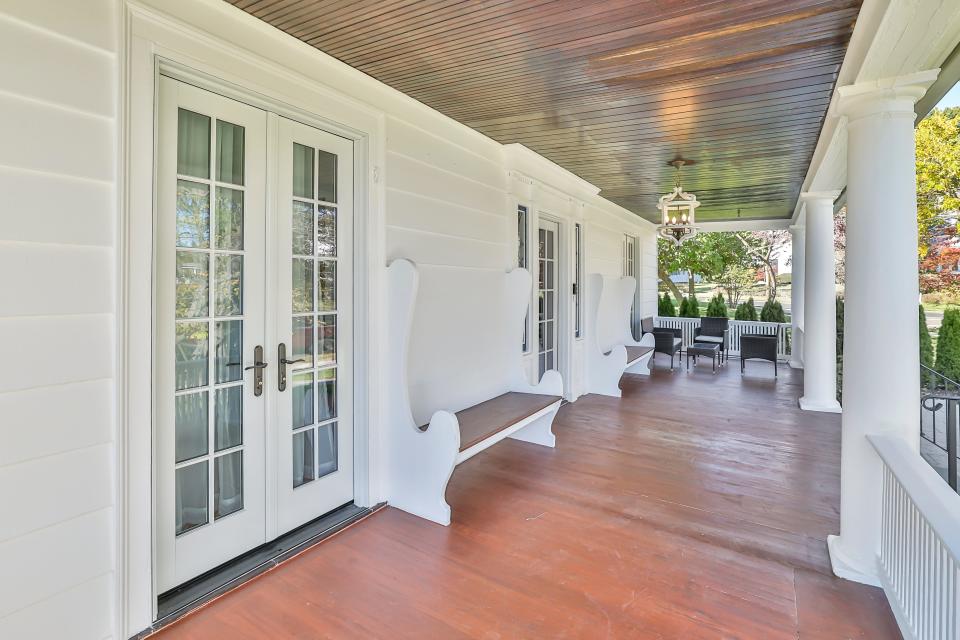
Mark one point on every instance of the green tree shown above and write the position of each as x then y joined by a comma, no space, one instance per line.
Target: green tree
948,345
772,312
706,255
938,173
926,350
717,307
689,308
746,311
735,279
840,308
665,308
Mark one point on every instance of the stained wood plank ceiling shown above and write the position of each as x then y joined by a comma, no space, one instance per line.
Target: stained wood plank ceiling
611,90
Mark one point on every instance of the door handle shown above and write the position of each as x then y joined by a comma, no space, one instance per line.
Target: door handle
282,359
258,366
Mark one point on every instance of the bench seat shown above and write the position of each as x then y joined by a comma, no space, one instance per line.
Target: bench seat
486,419
635,353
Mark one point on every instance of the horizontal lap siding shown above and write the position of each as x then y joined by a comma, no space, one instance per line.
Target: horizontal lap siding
57,263
445,203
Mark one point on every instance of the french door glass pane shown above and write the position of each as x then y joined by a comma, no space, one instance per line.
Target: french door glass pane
228,418
229,153
302,171
193,215
326,339
326,177
302,285
326,449
193,277
326,394
228,354
229,285
190,425
191,497
191,354
326,231
229,219
303,471
227,484
193,144
303,342
302,398
326,285
302,228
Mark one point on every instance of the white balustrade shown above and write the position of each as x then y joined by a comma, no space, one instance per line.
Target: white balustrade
736,329
918,562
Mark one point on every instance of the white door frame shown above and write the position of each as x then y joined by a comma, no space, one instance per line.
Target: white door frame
152,41
564,342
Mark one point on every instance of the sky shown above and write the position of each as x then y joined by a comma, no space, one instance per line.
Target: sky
952,99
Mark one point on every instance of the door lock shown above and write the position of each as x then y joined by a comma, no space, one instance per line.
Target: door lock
258,366
282,359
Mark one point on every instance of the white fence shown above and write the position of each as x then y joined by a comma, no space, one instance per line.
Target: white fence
919,544
737,328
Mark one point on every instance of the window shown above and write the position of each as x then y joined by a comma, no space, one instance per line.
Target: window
630,269
522,263
577,277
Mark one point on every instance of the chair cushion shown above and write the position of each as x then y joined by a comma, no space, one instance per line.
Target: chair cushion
677,341
716,339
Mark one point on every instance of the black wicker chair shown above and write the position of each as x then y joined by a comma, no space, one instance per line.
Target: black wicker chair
666,340
759,347
713,330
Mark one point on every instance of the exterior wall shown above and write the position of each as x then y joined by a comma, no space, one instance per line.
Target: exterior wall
57,275
448,196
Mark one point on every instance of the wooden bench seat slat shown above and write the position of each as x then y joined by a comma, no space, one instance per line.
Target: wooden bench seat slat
634,353
481,421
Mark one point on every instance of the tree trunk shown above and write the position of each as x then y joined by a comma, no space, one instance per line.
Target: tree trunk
691,287
665,278
771,282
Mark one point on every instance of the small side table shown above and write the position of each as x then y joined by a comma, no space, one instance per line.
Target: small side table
711,349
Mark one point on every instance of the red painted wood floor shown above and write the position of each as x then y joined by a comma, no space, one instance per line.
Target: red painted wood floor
697,506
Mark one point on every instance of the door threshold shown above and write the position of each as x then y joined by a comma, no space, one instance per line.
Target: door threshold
179,601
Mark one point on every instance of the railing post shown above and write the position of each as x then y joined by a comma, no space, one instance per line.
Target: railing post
952,406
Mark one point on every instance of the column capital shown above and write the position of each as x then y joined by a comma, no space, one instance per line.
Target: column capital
894,96
808,196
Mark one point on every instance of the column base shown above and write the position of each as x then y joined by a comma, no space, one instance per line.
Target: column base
845,568
796,364
819,405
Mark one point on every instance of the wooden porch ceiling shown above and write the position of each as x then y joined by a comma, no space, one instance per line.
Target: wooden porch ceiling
611,89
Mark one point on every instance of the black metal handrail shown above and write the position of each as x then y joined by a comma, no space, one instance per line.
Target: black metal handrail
938,392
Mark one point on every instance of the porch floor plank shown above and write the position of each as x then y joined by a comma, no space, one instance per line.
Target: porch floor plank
696,506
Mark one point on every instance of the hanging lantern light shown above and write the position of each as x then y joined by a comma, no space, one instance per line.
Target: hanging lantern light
677,210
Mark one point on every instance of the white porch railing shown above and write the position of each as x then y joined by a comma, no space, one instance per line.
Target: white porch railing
919,544
737,328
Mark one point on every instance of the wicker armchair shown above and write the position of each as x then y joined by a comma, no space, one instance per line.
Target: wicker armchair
713,330
758,347
666,340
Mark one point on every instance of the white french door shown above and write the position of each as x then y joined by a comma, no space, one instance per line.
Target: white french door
248,447
314,319
547,294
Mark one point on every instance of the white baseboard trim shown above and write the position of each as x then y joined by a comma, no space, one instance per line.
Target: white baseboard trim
845,569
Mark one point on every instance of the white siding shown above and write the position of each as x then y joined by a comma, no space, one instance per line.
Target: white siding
57,274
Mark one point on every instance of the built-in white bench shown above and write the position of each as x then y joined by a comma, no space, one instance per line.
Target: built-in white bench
457,382
611,349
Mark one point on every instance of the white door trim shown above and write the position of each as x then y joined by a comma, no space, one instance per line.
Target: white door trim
152,40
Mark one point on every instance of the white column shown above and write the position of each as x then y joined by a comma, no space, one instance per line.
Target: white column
881,371
798,249
819,306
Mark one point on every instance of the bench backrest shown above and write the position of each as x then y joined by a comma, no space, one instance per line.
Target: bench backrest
612,321
466,337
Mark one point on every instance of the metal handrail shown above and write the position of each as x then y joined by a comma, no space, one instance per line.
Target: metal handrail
943,392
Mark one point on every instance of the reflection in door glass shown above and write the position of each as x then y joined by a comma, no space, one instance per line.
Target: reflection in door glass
191,497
